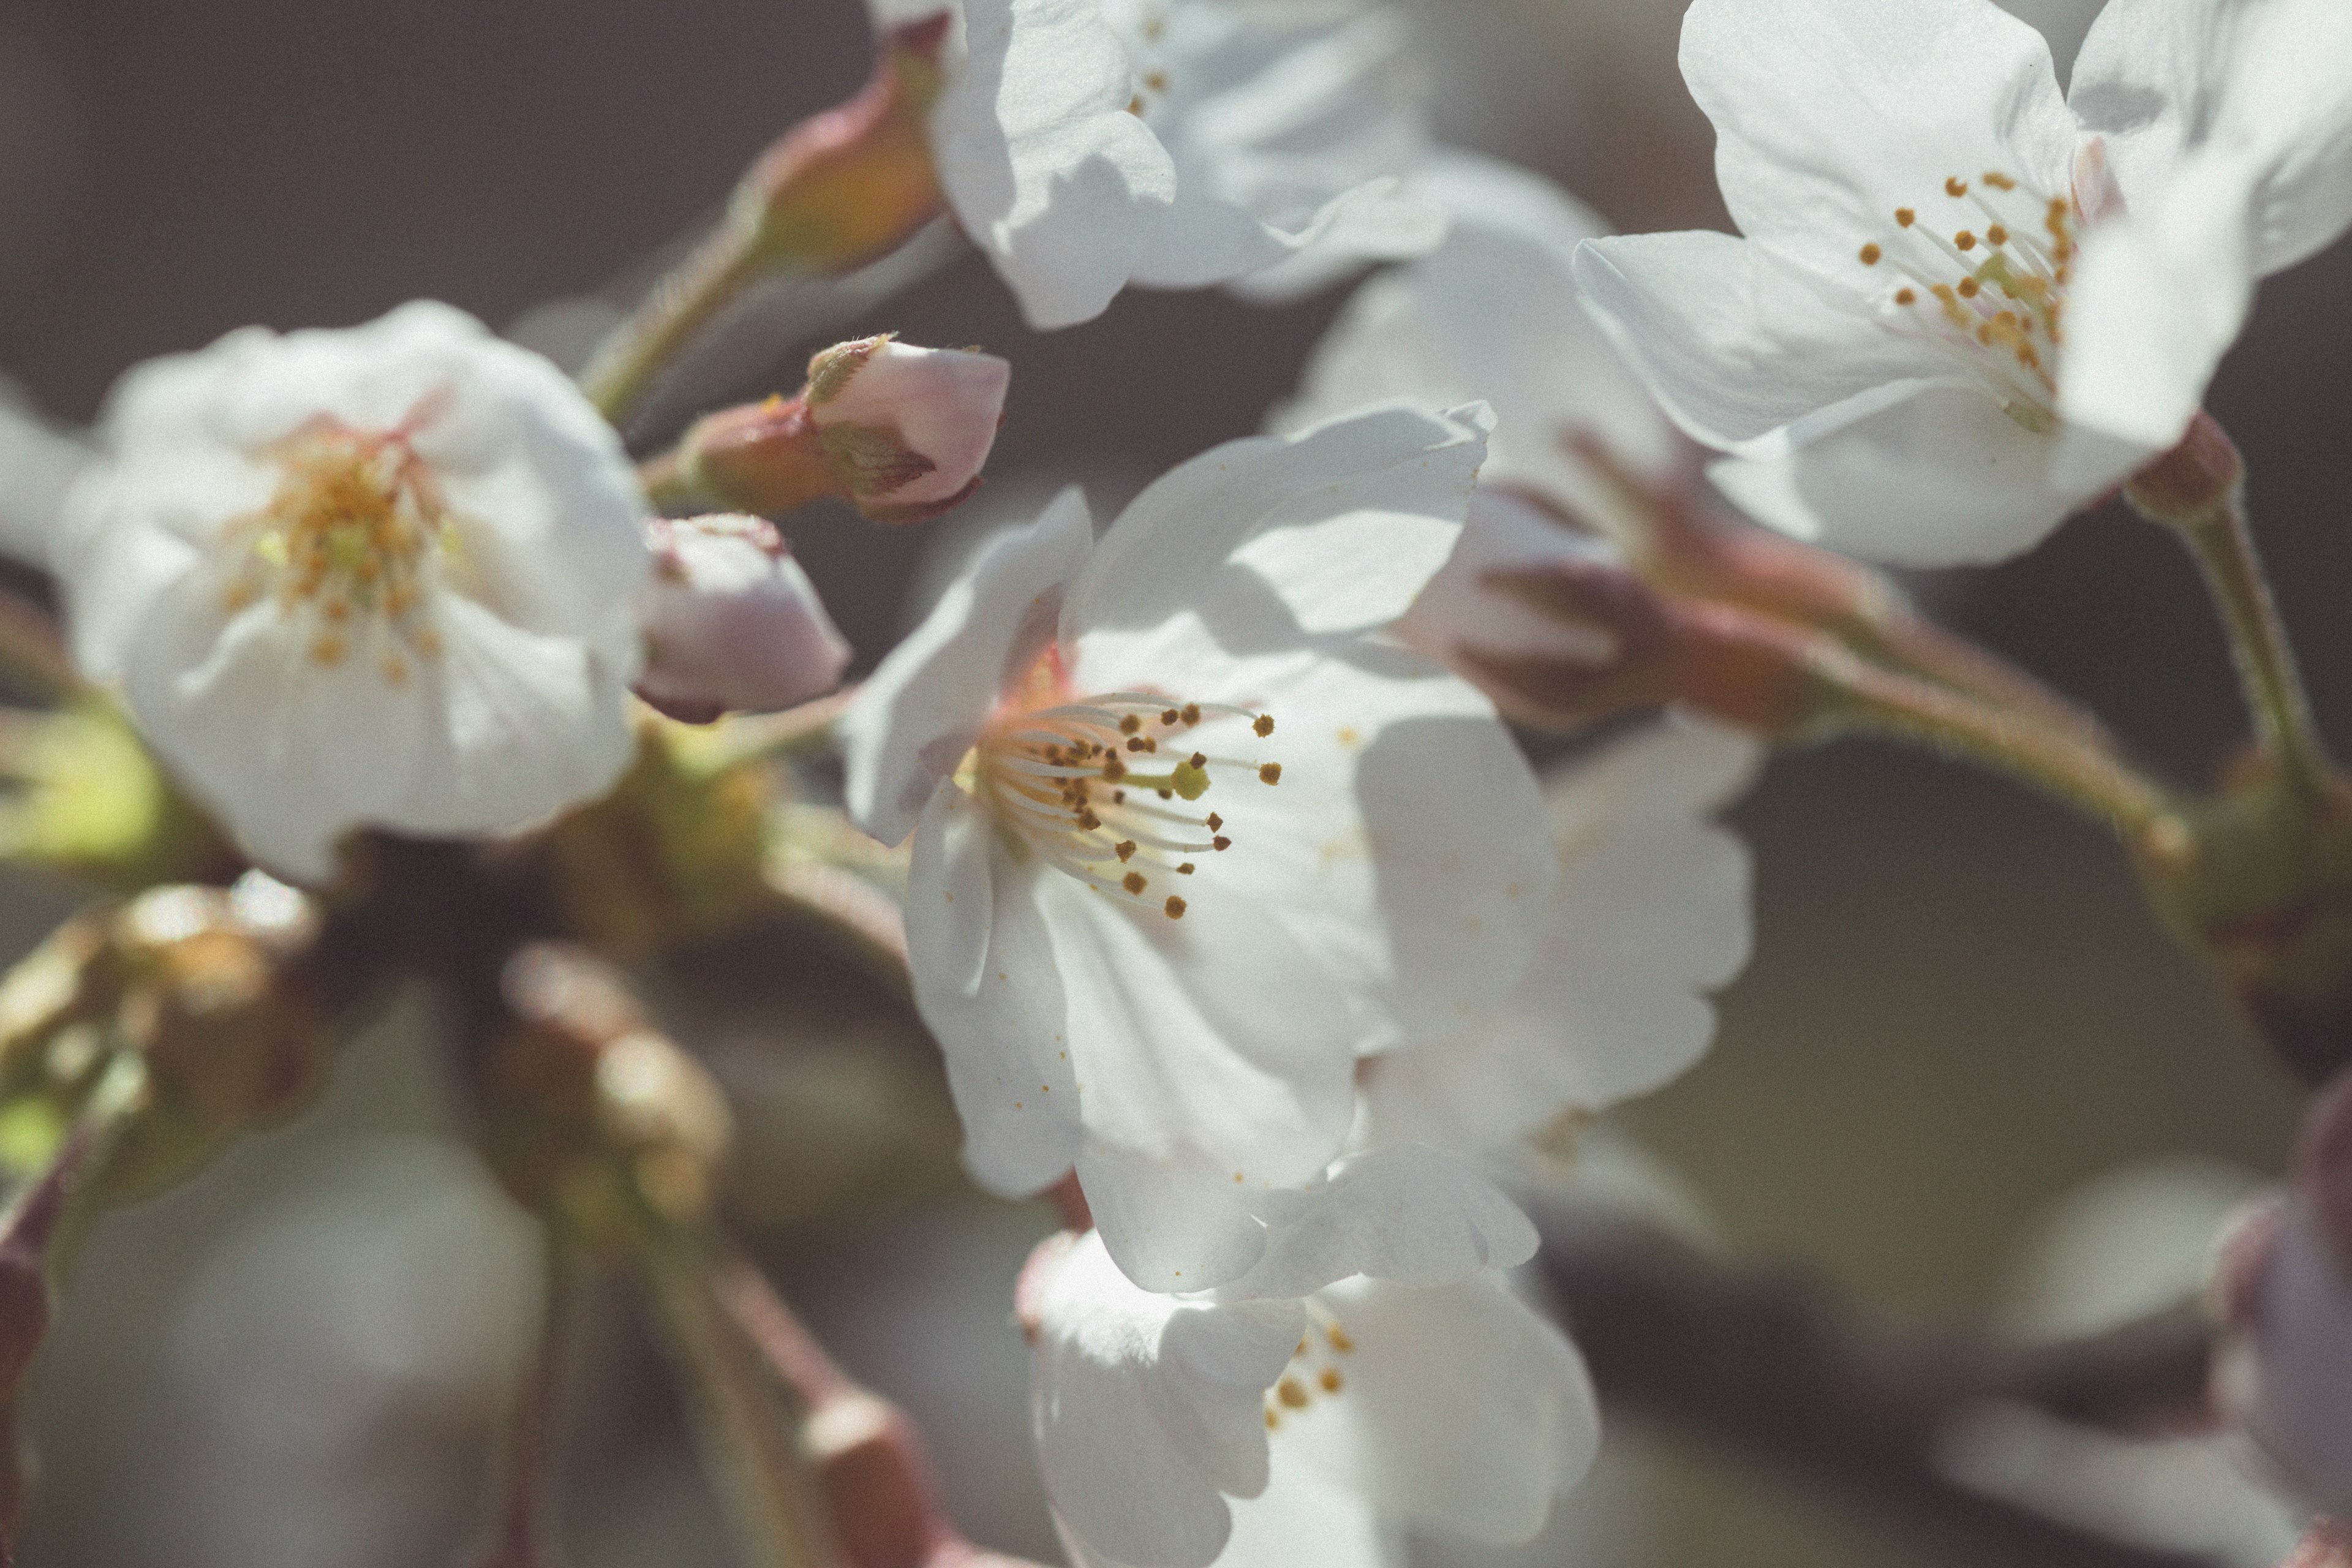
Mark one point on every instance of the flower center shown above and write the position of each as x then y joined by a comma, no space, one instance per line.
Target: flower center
346,544
1106,788
1314,1369
1991,290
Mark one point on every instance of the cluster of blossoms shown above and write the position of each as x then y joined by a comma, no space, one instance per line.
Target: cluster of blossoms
1240,917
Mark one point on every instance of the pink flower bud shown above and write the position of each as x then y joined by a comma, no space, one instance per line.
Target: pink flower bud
906,428
2284,1290
732,623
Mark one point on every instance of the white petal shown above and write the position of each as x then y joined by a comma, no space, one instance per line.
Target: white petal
2158,296
1927,475
522,725
1407,1215
1340,526
1289,134
1493,314
1147,1407
916,716
1044,166
38,466
1302,1520
2158,78
1460,1408
986,983
1459,611
1732,340
1829,114
1651,911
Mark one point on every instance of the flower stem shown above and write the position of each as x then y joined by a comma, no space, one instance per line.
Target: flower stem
2224,545
716,274
2090,776
529,1440
744,1439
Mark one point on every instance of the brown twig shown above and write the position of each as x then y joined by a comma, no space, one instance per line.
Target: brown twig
1760,1361
869,1458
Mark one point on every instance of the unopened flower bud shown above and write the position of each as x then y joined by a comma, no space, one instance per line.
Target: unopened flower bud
592,1116
851,185
2193,483
907,429
732,623
1559,632
193,998
899,432
2283,1290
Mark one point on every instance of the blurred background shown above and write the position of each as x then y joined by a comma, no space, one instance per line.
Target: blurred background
1963,1063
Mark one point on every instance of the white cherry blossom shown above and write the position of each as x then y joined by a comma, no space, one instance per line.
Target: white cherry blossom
1192,835
1493,314
1374,1371
380,576
1650,912
1964,307
1089,145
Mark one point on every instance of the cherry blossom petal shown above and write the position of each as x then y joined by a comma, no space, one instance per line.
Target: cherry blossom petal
1493,314
1148,1407
916,716
1044,166
1651,911
983,963
1339,525
1733,341
1459,610
2156,78
1406,1214
1461,1407
2159,297
1302,1521
1830,114
1288,132
1925,475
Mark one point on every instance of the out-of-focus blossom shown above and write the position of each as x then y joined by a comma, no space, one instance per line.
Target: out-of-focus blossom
1089,145
899,432
381,576
37,466
732,623
1650,912
1192,838
1372,1371
2284,1291
1964,307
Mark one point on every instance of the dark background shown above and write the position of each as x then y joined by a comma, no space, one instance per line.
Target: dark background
1958,1011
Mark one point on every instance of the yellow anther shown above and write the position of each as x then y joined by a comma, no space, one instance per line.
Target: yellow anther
1870,254
1956,186
1291,1392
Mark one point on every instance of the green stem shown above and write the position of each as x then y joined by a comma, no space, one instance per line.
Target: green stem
631,359
2090,777
529,1452
1916,646
2224,545
745,1442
